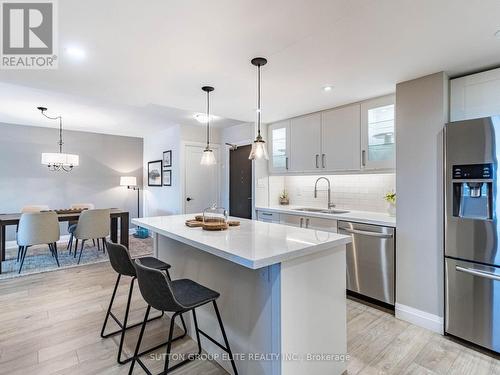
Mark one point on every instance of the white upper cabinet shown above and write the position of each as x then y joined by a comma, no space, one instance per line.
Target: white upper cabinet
305,143
279,146
475,96
356,137
378,149
340,139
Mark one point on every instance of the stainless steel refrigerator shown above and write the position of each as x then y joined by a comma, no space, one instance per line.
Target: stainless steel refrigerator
472,232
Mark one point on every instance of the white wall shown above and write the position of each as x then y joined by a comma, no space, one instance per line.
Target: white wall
164,200
168,200
421,113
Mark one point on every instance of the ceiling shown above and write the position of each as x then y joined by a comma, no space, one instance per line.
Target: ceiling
148,61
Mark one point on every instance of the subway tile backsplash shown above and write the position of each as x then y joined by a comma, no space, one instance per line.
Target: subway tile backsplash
363,192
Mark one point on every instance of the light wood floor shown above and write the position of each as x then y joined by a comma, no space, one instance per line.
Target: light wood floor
50,324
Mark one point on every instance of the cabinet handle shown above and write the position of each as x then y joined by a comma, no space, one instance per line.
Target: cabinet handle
307,223
286,162
363,158
301,221
317,160
323,160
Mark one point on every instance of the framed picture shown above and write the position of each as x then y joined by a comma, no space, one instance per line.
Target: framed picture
167,159
154,173
167,178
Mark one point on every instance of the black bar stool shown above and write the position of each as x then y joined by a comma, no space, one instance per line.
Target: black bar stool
119,258
178,296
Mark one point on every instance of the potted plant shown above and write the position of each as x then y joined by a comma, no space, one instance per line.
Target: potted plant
284,198
390,198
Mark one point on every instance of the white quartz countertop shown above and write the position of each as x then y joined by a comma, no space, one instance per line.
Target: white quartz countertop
365,217
253,244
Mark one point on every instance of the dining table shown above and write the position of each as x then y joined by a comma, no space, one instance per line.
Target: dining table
116,215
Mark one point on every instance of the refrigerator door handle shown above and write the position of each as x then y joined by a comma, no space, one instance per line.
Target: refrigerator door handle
474,272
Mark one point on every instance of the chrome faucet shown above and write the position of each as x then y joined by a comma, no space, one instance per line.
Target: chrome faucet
330,204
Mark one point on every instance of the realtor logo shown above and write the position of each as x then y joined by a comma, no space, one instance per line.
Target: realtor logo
28,34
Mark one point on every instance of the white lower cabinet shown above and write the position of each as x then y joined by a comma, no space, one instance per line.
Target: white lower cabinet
327,225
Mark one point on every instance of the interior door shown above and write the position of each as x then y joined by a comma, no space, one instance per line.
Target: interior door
240,183
201,188
340,138
305,143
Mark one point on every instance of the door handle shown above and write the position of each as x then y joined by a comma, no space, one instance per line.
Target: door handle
363,158
367,233
307,223
317,160
301,221
471,271
323,160
189,199
286,163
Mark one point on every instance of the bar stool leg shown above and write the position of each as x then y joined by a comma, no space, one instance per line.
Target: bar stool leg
225,338
124,328
169,344
197,331
110,306
139,340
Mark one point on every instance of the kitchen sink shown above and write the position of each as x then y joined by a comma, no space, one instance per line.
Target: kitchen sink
321,210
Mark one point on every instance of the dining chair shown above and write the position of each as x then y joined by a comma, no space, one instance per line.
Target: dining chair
28,209
72,224
38,228
92,224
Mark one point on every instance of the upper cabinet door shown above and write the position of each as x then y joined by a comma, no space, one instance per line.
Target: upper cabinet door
340,139
378,133
279,146
305,143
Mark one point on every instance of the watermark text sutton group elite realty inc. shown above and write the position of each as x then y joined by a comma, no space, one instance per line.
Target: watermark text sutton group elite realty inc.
29,34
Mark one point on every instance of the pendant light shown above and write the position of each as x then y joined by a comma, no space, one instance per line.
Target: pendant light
259,149
58,161
208,157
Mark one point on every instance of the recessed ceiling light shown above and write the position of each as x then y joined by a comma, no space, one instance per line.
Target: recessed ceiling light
75,52
327,88
202,118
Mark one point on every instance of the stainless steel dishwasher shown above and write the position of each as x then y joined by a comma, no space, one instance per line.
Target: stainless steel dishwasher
370,260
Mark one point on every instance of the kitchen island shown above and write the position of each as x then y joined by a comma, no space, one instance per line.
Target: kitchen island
282,291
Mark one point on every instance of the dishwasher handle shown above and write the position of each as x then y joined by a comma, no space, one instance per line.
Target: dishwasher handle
367,233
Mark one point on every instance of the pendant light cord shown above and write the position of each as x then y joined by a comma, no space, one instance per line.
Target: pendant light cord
208,119
60,129
258,103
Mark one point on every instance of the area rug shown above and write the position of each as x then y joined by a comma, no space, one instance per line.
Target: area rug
38,258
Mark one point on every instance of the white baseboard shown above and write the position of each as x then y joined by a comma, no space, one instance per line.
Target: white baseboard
63,239
420,318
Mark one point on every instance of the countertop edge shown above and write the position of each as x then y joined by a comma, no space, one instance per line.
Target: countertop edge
351,217
245,262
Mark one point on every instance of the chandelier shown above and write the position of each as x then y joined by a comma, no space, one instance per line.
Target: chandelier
58,161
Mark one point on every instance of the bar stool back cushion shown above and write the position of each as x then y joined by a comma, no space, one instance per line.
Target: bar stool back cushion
119,258
93,224
38,228
34,208
156,289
